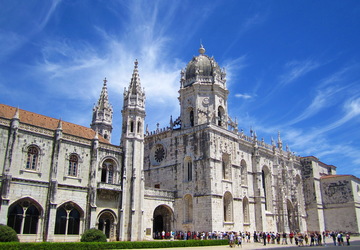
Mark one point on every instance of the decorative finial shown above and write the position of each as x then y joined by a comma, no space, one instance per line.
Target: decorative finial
105,81
202,49
136,63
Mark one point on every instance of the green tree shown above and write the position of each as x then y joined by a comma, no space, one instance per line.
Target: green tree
93,235
7,234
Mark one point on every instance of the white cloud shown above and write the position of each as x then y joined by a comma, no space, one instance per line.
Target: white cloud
296,69
243,96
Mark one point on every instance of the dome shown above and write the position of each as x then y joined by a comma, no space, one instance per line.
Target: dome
202,65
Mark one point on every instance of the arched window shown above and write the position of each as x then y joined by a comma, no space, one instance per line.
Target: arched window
192,118
32,158
188,208
31,220
300,193
243,173
23,217
220,115
228,207
107,171
73,165
131,126
67,219
266,184
246,214
138,127
15,218
226,167
188,165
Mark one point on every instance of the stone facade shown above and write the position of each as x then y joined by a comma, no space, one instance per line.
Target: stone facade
198,174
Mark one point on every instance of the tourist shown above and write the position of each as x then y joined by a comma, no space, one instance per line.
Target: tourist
348,239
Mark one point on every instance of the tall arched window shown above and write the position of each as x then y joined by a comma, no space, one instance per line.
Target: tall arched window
243,172
246,214
131,126
138,127
188,208
266,184
32,158
192,118
300,194
228,207
73,165
23,217
188,169
220,115
226,167
107,171
67,219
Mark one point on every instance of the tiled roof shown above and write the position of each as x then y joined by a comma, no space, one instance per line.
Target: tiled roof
42,121
336,176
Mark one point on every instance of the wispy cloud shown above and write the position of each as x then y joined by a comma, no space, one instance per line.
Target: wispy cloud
324,98
146,38
11,41
243,96
297,69
47,15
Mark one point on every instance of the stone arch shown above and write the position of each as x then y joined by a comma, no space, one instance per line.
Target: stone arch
24,216
109,169
106,222
188,208
228,206
68,218
267,187
163,219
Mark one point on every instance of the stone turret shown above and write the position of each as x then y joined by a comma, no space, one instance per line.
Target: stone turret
102,114
203,92
132,142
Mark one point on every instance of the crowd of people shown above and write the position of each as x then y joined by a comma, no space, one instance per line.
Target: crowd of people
238,238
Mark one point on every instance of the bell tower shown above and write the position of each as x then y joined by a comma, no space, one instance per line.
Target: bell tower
102,114
203,93
132,142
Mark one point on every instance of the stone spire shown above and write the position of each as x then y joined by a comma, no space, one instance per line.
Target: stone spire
134,107
280,145
102,114
135,85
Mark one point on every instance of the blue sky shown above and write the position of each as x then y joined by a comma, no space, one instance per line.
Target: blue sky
292,66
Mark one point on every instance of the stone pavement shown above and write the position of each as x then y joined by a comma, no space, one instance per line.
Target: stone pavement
253,245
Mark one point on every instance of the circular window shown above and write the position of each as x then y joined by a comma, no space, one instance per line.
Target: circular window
158,154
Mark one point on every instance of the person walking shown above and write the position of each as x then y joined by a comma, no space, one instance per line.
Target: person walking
239,239
348,239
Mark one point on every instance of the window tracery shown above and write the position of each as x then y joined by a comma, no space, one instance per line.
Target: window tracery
32,158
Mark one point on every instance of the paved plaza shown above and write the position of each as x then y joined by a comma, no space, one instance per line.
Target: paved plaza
354,244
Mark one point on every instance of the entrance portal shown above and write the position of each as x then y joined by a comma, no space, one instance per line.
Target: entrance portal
107,224
162,221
